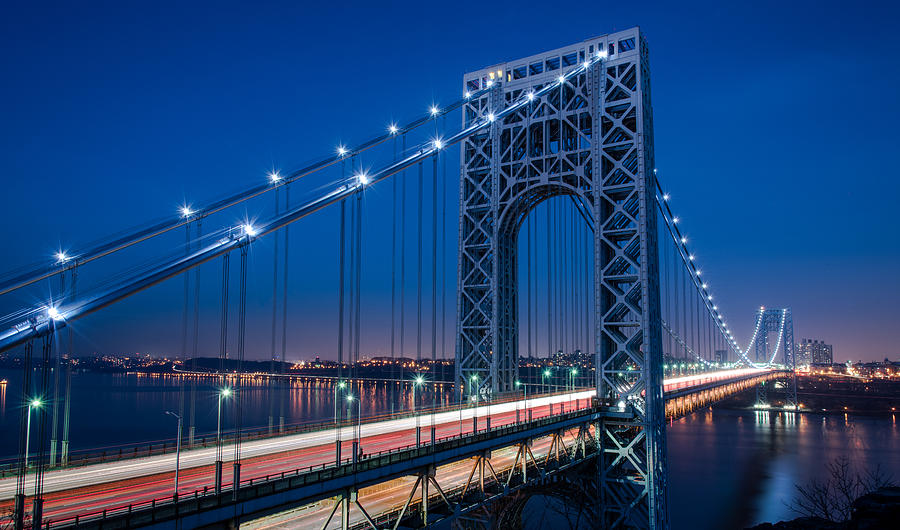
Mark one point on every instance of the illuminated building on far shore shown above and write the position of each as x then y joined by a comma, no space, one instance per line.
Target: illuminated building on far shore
811,351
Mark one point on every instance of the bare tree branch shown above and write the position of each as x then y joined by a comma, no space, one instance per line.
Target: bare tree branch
832,498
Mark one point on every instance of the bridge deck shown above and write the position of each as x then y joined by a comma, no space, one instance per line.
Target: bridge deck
93,488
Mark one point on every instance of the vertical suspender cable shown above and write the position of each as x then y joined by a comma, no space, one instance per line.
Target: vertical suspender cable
444,194
576,281
549,285
684,313
341,268
358,283
37,501
182,395
285,383
195,342
588,294
64,450
434,277
272,381
23,434
393,280
351,320
402,257
668,290
223,355
54,422
528,230
570,282
239,395
419,269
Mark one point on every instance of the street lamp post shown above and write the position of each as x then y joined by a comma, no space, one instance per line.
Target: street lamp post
474,381
525,388
337,428
340,386
19,509
34,404
177,452
544,377
418,381
357,439
223,394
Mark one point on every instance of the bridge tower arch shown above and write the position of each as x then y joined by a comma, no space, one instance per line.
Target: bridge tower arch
592,137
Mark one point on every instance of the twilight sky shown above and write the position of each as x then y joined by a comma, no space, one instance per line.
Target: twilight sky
776,132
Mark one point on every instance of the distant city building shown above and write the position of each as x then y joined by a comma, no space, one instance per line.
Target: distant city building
811,351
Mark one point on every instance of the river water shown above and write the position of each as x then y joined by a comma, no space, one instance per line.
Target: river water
727,468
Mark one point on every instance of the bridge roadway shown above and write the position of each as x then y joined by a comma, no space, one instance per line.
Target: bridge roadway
93,488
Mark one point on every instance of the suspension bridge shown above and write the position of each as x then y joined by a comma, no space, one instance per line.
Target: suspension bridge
567,243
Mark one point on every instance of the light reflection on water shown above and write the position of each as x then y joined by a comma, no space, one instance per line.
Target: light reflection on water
731,469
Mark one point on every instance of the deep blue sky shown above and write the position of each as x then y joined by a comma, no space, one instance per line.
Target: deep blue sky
776,125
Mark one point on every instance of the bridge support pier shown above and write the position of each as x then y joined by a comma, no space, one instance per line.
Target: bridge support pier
522,455
343,501
556,442
478,467
425,479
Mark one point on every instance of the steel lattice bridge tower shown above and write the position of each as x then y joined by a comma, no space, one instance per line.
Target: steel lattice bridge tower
774,330
591,138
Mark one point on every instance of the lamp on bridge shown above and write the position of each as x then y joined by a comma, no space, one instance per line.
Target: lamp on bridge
473,381
357,450
224,393
33,404
547,373
19,509
177,452
525,388
419,380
